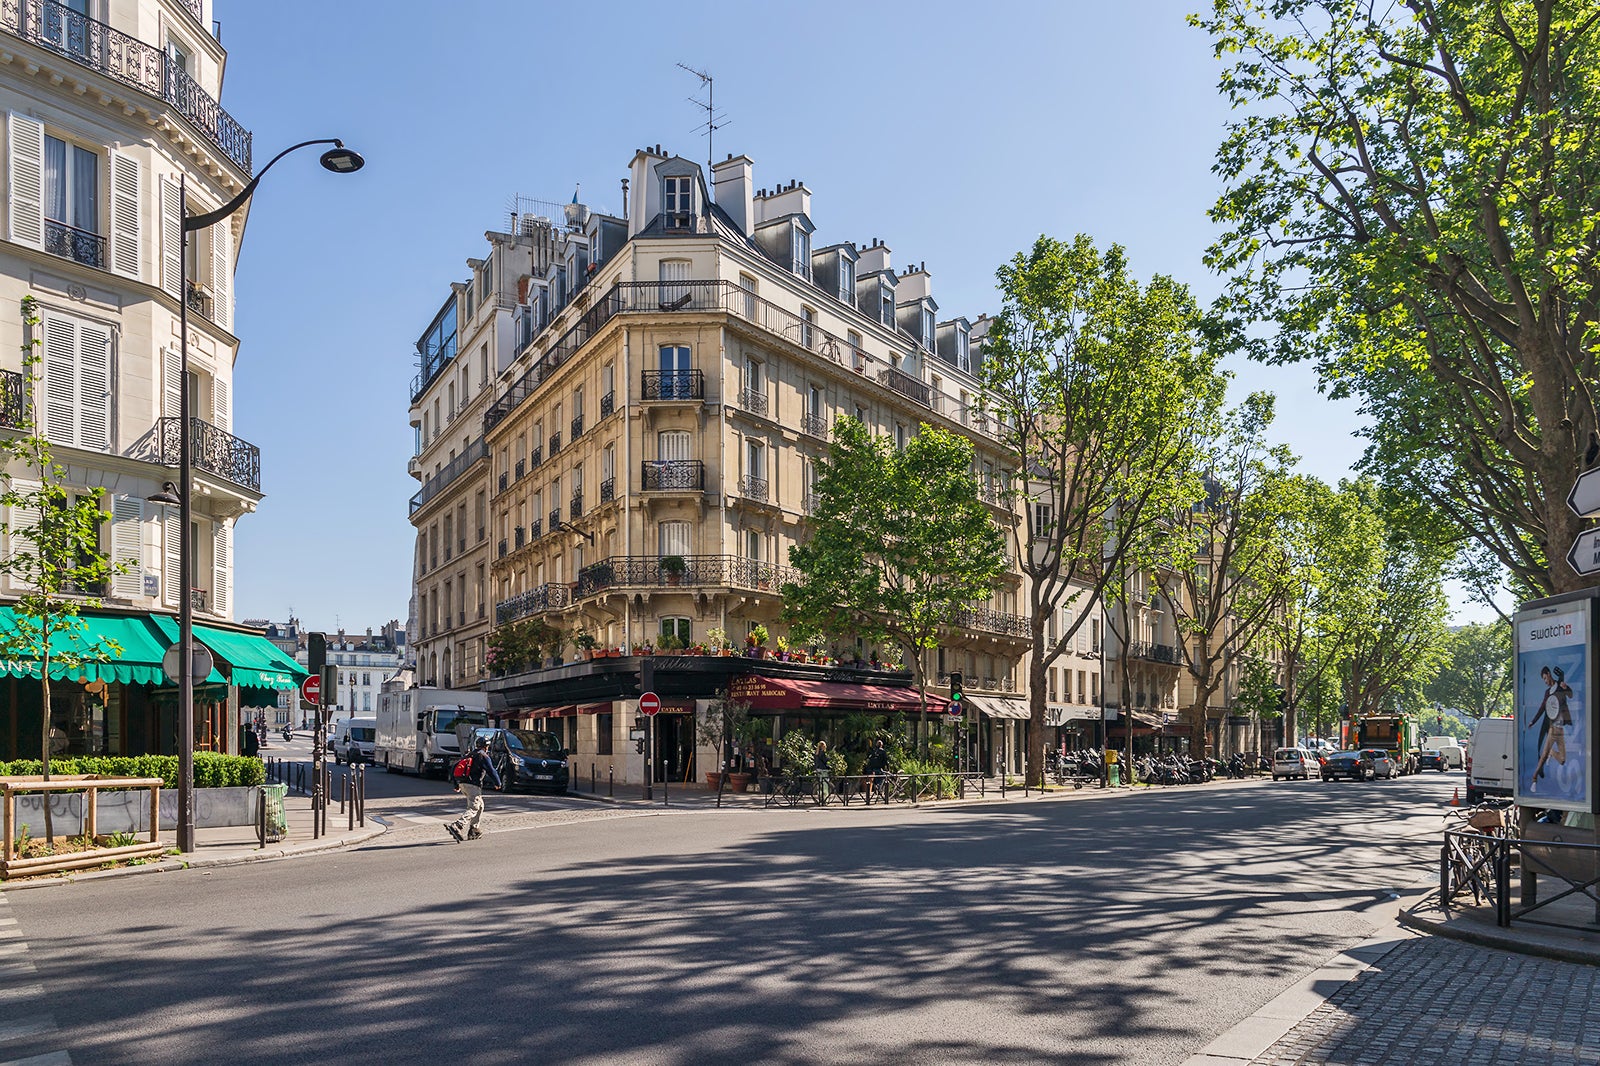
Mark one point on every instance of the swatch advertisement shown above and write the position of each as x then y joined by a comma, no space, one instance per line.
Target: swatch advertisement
1555,756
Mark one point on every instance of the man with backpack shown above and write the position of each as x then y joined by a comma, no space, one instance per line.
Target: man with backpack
472,774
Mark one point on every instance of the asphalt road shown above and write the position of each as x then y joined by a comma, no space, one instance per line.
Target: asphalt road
1121,929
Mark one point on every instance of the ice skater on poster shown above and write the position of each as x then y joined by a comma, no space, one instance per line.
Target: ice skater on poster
1552,745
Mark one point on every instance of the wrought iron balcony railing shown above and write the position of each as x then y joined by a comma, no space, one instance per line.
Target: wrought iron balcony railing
991,621
146,67
13,399
555,518
814,425
608,490
1156,653
575,508
535,529
518,538
501,483
753,488
211,450
753,400
452,470
75,244
577,428
555,444
646,571
608,404
808,502
667,475
905,384
674,385
545,597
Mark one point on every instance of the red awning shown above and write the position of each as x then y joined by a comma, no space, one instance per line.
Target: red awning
550,712
794,694
595,708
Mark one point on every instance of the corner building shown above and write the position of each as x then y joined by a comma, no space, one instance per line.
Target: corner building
651,449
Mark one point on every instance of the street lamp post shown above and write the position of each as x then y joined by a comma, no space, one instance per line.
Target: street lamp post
340,160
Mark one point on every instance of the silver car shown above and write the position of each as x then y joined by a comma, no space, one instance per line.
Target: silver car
1382,765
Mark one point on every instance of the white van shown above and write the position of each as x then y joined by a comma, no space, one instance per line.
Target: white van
354,741
1455,756
1492,765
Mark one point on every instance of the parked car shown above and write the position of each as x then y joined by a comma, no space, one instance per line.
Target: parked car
1383,764
527,758
1433,760
1293,762
1356,765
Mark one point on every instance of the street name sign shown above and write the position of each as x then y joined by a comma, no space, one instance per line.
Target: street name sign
649,703
1585,554
1584,499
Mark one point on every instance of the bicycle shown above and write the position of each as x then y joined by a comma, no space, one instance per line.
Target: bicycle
1467,859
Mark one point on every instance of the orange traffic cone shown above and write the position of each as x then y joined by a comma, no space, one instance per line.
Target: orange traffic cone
1455,801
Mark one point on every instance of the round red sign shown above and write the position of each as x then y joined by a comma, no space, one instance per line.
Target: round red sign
311,690
649,703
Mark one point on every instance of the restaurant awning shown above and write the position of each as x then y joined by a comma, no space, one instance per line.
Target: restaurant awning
255,661
795,694
139,661
1000,707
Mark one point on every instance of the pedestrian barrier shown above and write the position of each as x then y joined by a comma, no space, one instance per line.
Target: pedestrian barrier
795,790
1481,863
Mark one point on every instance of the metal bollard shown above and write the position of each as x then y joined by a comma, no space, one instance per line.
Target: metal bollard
611,780
666,784
591,779
261,818
361,799
350,791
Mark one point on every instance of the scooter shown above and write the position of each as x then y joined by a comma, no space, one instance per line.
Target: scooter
288,734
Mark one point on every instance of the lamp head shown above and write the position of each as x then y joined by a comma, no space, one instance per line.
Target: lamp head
342,160
168,495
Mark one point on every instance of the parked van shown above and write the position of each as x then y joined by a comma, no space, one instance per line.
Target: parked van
1492,764
1455,756
354,741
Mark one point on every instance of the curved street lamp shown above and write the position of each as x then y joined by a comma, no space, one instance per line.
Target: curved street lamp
339,160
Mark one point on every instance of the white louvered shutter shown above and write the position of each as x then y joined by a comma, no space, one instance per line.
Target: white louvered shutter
25,205
171,383
222,274
125,198
171,238
20,521
221,408
172,552
94,387
222,568
127,546
60,380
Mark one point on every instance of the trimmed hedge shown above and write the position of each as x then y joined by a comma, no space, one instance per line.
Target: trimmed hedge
210,769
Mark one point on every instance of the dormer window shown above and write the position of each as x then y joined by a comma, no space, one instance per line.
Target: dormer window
963,351
847,279
679,201
927,328
800,251
886,310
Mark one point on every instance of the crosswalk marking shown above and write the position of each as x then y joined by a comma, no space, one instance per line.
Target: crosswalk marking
25,1020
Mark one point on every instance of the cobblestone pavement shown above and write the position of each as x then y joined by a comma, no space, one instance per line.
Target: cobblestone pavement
1436,1001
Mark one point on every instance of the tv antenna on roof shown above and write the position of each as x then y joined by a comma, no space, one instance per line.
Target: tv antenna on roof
714,121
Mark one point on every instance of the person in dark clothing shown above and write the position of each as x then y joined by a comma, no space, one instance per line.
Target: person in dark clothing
877,763
252,744
482,775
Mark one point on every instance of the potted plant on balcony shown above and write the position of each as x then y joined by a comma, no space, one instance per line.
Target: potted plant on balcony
672,568
719,640
783,649
756,641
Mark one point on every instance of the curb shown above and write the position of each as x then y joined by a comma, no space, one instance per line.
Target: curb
1467,931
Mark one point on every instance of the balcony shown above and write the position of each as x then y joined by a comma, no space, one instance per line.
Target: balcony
536,457
906,385
75,244
518,538
650,571
608,490
608,404
555,518
500,550
13,399
814,426
555,444
1155,653
500,485
577,428
145,67
210,449
672,475
541,598
674,385
197,600
753,400
991,621
535,529
809,501
575,505
452,470
753,488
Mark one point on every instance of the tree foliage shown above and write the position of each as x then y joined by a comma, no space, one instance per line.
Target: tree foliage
899,542
1412,196
1475,676
1097,384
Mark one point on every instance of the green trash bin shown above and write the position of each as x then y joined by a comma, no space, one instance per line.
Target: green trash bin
1114,773
275,825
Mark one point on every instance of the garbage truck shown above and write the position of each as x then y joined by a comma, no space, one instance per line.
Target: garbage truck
1394,734
419,729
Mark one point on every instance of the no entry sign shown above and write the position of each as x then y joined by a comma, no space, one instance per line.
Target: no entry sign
649,703
311,690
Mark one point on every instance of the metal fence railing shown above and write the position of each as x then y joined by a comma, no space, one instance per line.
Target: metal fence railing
1481,865
797,790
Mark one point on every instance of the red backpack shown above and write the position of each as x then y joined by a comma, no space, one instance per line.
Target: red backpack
463,769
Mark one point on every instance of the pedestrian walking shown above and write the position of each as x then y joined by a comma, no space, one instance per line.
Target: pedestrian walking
877,763
252,743
480,775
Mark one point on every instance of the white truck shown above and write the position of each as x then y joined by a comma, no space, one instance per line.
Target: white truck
1492,762
1455,756
417,727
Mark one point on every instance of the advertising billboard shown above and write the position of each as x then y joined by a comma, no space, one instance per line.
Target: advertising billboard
1555,730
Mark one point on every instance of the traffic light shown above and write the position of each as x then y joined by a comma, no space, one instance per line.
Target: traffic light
955,692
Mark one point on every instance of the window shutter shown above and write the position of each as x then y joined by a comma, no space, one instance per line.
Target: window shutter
125,199
171,238
127,546
222,274
172,572
94,387
20,523
25,207
60,380
171,383
221,410
221,567
77,383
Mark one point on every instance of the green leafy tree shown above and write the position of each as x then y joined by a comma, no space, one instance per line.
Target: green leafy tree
1097,383
899,542
54,558
1475,677
1411,197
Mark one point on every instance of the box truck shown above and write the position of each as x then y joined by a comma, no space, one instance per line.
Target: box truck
419,729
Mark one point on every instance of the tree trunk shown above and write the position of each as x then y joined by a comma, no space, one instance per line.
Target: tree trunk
1033,769
44,751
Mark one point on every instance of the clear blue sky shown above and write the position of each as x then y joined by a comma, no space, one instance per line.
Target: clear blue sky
956,139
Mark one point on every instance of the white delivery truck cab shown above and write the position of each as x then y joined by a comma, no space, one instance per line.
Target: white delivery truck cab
417,727
1455,756
353,740
1492,764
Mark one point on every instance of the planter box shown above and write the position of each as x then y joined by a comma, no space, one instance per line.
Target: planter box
129,812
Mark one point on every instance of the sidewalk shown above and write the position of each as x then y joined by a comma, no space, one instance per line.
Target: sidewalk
230,845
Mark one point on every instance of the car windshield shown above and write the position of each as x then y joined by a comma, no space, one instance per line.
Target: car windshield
532,743
1285,754
445,721
1373,753
361,733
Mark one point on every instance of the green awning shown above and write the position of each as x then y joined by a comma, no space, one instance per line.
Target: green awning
138,659
256,662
